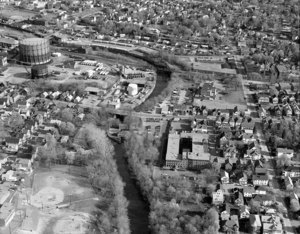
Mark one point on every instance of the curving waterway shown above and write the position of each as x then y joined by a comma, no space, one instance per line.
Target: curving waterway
138,208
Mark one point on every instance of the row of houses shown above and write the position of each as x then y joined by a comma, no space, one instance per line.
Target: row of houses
19,148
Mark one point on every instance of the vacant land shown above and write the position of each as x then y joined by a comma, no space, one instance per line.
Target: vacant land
110,58
16,74
16,13
64,200
235,97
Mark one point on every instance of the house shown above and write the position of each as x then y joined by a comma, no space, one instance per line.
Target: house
294,198
24,164
239,201
3,103
272,228
64,139
265,200
253,154
230,151
208,91
244,212
260,179
275,100
292,171
10,176
225,214
3,60
271,224
12,143
283,151
261,190
248,127
258,169
288,183
229,163
248,138
255,223
224,177
270,211
7,213
238,123
248,191
282,71
263,99
225,113
224,142
218,197
243,180
232,225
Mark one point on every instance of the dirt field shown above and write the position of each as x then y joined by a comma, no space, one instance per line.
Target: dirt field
20,13
16,74
64,200
10,12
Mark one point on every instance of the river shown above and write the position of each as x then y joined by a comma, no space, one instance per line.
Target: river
138,208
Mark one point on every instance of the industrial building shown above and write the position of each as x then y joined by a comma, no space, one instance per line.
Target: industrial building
9,43
187,150
34,51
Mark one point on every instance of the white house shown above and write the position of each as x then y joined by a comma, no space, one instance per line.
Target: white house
218,197
283,151
10,176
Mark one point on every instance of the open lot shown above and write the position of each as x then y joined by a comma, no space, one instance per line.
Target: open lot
19,13
15,74
58,187
63,199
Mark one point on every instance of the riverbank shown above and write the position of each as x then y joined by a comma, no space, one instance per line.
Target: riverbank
138,208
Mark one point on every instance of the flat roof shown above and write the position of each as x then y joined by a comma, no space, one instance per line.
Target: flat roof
213,67
173,146
92,89
197,153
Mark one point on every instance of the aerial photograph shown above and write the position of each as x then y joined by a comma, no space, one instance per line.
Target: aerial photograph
149,117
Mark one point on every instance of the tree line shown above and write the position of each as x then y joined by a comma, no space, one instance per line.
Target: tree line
168,198
111,214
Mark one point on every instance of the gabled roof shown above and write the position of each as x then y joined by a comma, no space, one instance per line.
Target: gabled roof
3,101
255,220
244,209
12,140
224,173
248,189
260,177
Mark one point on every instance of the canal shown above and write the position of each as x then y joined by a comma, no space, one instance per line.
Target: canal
138,208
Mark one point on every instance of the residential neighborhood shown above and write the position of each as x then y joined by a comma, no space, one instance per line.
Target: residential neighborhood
151,116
